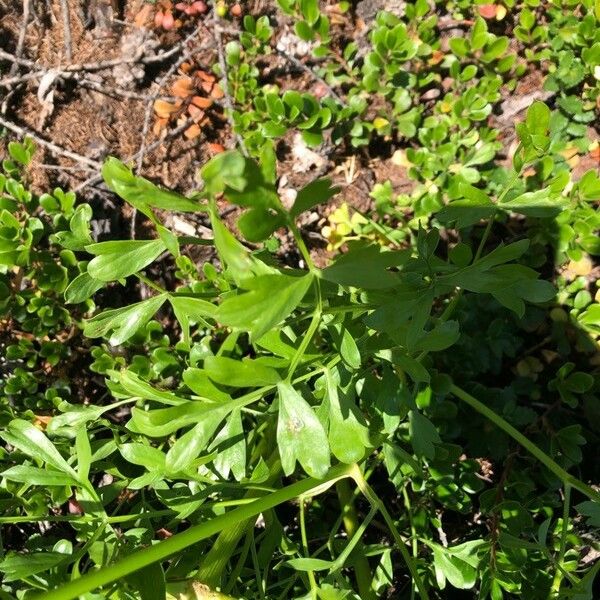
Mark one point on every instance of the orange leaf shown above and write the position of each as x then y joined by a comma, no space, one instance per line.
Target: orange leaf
437,56
159,125
182,88
42,421
207,86
164,109
144,16
192,132
201,102
488,11
195,113
216,148
217,92
185,67
205,76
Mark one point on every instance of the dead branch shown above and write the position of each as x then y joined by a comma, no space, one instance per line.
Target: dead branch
300,65
66,17
225,85
25,132
173,133
18,51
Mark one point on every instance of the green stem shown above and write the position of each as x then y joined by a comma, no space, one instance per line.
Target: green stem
304,538
558,575
362,570
413,533
310,332
554,467
301,246
179,542
150,283
214,563
375,501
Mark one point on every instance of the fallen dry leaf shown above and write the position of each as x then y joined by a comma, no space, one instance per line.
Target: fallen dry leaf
217,92
201,102
215,148
182,88
144,16
196,113
164,109
192,132
488,11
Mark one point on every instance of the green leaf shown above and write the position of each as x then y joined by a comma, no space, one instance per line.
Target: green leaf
366,267
538,118
140,192
423,434
224,170
82,288
461,573
187,448
37,476
316,192
241,264
253,189
187,308
349,350
199,382
309,564
123,322
416,371
348,434
144,455
164,421
542,203
115,260
149,582
134,385
79,235
270,300
465,213
257,224
591,510
300,435
20,566
83,450
230,445
30,440
235,373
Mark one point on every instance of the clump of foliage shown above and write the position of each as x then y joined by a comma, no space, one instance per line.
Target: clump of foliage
412,419
282,384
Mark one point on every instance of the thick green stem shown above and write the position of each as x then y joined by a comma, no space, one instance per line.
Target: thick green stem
214,563
554,467
558,575
179,542
304,537
362,570
375,501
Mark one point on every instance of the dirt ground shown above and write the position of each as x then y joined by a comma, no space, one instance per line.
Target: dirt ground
88,111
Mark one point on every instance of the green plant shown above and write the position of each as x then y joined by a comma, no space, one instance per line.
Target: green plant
270,374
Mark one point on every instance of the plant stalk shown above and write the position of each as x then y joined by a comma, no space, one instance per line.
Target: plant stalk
550,464
362,570
179,542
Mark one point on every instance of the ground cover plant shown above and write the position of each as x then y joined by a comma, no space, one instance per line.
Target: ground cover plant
273,383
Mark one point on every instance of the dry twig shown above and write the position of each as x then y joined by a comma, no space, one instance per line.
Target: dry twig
300,65
174,133
24,132
225,86
66,17
18,51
